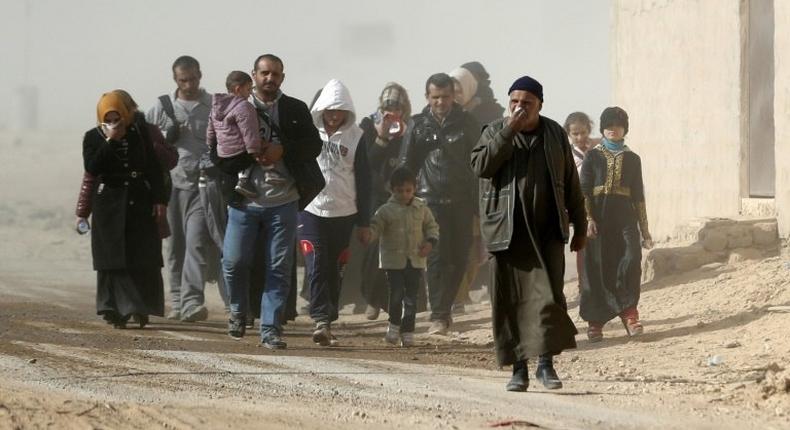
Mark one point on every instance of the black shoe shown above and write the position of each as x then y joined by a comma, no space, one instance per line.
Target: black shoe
120,323
274,341
140,319
110,317
250,323
236,328
520,380
548,376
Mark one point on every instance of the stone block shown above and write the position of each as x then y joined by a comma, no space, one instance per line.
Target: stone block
743,254
739,236
661,262
765,234
657,263
692,257
714,240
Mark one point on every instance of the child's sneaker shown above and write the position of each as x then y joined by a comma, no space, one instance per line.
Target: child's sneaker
393,334
407,339
245,188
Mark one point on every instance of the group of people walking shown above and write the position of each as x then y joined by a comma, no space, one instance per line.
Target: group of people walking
241,181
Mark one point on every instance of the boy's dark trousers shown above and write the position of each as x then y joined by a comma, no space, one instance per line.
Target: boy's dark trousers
404,284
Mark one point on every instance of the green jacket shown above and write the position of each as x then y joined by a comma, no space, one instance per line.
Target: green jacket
401,230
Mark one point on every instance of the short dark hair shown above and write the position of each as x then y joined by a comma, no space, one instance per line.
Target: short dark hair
439,80
270,57
237,78
402,175
577,118
186,62
614,116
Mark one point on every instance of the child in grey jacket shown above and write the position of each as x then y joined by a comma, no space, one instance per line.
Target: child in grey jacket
407,232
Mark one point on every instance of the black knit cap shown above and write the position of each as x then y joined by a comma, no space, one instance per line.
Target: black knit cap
525,83
614,115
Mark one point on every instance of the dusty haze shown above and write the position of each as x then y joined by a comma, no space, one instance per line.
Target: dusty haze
73,51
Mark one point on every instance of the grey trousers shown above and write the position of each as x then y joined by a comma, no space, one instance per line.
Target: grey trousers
192,255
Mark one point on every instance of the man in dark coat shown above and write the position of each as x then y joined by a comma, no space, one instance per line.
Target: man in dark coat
439,147
529,193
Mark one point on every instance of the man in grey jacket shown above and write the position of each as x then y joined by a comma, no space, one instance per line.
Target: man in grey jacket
191,255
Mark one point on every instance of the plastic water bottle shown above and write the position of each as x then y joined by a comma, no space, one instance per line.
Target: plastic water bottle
394,128
715,360
83,227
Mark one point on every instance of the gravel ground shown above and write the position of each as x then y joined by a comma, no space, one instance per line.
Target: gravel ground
714,355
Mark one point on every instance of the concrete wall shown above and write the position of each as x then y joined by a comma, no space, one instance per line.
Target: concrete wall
677,72
782,114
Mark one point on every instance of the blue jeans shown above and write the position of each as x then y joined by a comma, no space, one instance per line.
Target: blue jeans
275,230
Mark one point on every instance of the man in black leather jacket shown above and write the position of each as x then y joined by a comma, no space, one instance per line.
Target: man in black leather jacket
439,149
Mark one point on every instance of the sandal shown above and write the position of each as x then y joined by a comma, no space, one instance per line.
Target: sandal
632,326
594,333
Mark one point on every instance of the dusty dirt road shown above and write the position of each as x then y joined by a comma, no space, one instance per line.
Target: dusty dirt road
62,367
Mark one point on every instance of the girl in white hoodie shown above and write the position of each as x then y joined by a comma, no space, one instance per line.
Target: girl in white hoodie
326,223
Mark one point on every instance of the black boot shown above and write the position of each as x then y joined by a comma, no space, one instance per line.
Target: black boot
520,379
546,373
120,322
141,320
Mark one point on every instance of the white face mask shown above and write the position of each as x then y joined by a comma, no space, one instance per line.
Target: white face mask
111,126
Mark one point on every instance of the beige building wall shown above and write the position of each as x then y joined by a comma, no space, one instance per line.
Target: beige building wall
782,113
677,72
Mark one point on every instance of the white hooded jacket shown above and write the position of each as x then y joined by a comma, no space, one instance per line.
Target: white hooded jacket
339,196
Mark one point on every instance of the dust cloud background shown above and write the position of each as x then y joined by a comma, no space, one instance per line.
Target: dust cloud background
70,52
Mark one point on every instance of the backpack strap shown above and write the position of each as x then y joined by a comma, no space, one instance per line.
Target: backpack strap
167,106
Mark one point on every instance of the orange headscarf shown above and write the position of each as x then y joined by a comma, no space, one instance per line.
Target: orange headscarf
112,102
128,101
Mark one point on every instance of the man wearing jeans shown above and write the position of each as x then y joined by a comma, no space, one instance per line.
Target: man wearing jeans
268,222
